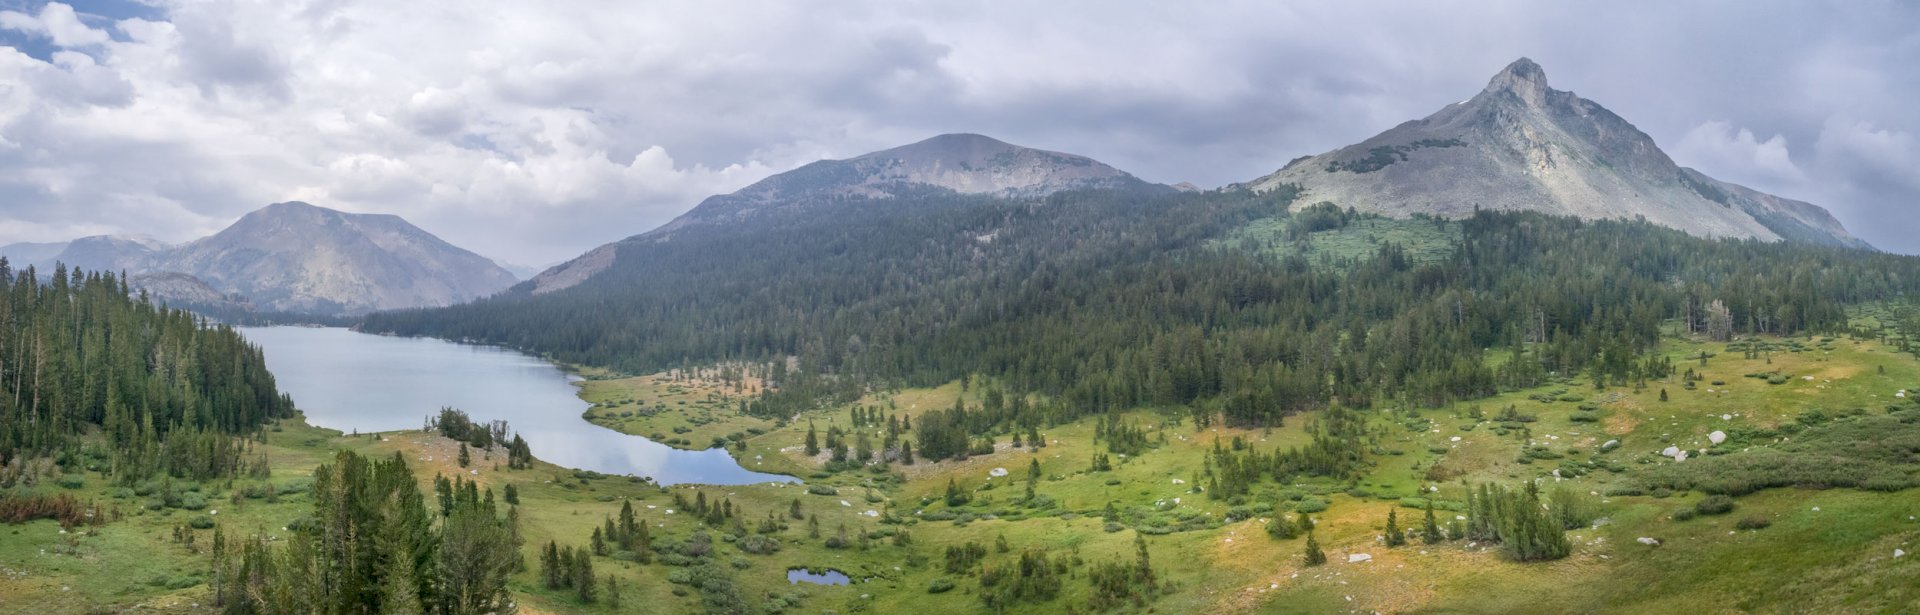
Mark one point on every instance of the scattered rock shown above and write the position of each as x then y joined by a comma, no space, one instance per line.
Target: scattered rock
997,472
1455,439
1899,553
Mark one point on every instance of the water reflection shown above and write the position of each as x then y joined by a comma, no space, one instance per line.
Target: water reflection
828,577
353,381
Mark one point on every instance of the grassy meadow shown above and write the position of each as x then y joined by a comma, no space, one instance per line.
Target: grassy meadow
1820,550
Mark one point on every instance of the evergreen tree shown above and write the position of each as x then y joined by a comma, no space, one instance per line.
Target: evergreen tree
1313,555
1394,536
1430,528
583,579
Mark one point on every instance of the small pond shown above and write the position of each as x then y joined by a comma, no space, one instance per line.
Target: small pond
825,577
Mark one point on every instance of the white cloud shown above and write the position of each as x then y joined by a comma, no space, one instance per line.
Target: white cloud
1719,148
55,21
1866,153
533,131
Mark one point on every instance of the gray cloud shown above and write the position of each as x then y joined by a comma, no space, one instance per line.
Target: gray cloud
533,131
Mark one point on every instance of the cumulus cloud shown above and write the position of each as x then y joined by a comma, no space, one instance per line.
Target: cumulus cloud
1737,152
57,22
534,131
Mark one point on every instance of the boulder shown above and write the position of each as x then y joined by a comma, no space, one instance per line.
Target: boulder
1651,542
1717,436
1359,557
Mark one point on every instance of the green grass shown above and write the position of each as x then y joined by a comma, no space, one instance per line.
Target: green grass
1425,241
1836,559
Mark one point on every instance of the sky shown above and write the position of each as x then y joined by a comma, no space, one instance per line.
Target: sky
533,131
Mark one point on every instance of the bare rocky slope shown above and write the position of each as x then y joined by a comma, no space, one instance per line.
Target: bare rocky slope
291,258
1520,145
296,257
963,163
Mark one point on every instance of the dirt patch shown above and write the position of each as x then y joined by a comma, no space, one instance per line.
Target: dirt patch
1620,423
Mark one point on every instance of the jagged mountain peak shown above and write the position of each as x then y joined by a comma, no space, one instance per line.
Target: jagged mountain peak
1521,145
1522,78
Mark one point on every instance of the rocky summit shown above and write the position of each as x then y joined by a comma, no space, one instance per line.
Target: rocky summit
1522,145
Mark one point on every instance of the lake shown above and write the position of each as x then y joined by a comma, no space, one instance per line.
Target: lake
352,381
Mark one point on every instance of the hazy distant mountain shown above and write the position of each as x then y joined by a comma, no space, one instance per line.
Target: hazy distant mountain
296,257
523,272
292,258
20,255
1519,144
115,253
962,163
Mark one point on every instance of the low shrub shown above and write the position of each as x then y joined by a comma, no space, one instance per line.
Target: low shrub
1310,505
1714,505
1754,522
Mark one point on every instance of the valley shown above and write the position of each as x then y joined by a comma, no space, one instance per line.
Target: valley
1507,358
1208,554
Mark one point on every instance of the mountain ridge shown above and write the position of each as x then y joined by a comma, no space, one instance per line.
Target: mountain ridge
964,163
1519,144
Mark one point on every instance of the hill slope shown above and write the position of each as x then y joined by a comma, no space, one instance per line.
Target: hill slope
968,164
1520,145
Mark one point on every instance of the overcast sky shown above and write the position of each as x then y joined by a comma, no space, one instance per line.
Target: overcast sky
532,131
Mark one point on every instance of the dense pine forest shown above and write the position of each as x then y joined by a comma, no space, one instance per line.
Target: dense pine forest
169,392
1107,300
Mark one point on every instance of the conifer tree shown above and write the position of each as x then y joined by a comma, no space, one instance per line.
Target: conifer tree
1430,529
1313,555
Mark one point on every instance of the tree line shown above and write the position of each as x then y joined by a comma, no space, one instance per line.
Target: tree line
1111,299
79,352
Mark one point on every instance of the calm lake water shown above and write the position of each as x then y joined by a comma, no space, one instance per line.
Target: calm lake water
354,381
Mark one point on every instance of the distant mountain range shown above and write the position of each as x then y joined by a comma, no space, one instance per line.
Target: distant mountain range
292,258
1520,145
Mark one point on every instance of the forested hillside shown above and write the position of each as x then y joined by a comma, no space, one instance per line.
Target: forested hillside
168,391
1111,300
